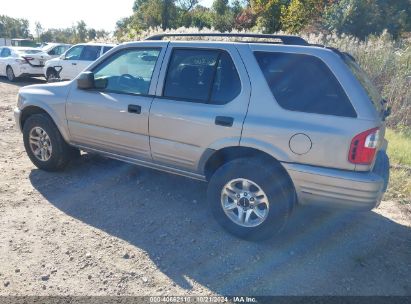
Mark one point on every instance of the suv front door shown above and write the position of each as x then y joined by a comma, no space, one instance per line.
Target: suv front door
113,117
71,60
201,102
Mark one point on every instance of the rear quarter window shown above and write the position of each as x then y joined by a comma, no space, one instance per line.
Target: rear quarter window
304,83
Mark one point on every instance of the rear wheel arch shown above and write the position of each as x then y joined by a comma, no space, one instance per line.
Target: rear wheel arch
217,158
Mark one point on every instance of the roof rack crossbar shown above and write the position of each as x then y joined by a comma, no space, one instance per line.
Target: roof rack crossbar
285,39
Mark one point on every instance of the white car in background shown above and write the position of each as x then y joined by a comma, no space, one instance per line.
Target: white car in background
75,60
56,49
21,61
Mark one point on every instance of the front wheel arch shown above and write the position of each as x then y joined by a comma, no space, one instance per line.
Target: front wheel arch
29,110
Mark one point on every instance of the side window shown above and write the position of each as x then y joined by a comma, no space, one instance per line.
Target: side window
59,50
74,53
127,71
205,76
304,83
106,49
227,83
52,51
90,53
5,52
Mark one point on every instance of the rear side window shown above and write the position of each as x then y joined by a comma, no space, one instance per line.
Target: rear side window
366,83
204,76
304,83
90,53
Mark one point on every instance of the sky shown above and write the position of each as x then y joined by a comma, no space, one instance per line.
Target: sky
98,14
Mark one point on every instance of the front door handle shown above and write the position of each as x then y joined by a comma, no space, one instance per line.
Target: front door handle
135,109
73,63
224,121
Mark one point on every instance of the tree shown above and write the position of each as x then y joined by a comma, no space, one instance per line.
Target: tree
223,18
301,13
39,30
14,28
364,17
268,14
81,31
92,34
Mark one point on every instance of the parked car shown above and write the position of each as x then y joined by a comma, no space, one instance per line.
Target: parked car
74,60
55,49
269,126
21,61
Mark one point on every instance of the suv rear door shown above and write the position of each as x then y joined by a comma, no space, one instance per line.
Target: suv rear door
201,102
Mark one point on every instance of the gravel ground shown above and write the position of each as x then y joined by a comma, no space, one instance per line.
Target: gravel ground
103,227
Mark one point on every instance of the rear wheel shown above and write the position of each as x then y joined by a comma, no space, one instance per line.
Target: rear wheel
251,199
44,144
10,74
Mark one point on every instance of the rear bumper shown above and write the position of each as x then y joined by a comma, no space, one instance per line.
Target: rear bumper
340,188
28,70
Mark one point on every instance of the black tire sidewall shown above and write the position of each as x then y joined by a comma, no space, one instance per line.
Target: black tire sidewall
51,72
273,181
60,154
7,74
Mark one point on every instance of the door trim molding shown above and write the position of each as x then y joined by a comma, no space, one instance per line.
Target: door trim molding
143,163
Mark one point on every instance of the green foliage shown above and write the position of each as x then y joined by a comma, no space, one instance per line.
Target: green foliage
301,13
14,28
75,34
364,17
268,14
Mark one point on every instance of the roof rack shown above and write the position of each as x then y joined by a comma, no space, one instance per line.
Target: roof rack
285,39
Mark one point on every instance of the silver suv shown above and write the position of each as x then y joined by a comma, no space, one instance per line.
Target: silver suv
267,125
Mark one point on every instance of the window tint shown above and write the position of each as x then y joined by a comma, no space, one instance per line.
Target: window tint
206,76
128,71
5,52
227,83
366,83
304,83
74,53
106,49
90,53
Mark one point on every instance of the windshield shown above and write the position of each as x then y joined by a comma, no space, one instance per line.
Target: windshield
48,47
366,83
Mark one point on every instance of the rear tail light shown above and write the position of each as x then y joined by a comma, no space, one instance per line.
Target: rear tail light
364,147
28,58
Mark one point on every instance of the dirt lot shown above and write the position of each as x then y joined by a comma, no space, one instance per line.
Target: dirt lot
104,227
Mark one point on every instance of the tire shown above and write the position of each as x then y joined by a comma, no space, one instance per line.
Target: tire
277,190
52,75
58,156
10,74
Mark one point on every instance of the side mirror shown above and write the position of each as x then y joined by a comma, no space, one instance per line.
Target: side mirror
63,56
85,81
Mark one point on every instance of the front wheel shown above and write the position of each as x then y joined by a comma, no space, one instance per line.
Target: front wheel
52,75
44,144
251,199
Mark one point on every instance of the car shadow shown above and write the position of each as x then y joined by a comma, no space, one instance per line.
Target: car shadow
319,253
23,81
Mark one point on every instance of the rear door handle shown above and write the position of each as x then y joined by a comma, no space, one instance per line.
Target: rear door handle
73,63
224,121
135,109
